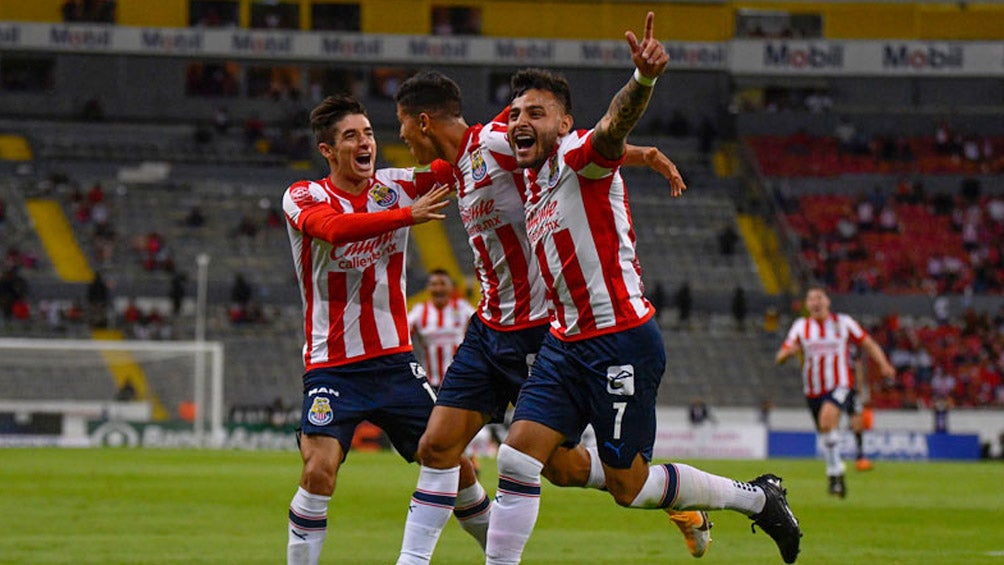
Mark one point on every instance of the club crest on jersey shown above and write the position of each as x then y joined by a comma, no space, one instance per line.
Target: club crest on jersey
478,166
620,380
383,195
320,412
553,171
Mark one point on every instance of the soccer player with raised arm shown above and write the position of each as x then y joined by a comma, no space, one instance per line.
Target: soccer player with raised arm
823,338
512,318
603,359
349,233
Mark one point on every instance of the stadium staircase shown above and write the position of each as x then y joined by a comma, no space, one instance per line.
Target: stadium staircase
60,244
124,369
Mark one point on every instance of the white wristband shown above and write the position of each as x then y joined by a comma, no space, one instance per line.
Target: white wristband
644,80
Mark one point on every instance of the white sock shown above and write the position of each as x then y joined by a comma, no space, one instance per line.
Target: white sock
517,503
698,490
473,509
659,489
429,510
597,479
831,453
308,526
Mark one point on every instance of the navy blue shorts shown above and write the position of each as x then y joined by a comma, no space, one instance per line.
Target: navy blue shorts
392,392
610,381
843,397
489,368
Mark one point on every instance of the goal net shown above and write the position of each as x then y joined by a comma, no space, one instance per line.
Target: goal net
93,392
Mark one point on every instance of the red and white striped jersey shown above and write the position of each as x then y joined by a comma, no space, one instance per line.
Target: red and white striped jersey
353,291
826,363
580,230
442,331
513,295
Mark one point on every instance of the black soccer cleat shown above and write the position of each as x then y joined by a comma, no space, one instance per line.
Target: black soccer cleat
837,486
776,518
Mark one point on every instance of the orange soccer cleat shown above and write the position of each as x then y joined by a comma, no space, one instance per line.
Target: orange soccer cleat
864,464
696,528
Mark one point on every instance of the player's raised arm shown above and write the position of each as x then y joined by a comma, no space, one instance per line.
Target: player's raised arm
650,59
653,158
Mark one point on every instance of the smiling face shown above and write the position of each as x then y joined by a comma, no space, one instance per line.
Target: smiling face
536,121
413,134
352,156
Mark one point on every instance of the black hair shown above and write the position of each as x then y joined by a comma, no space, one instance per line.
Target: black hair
540,79
431,92
329,112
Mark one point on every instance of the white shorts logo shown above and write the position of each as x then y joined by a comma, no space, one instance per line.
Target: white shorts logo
418,370
620,380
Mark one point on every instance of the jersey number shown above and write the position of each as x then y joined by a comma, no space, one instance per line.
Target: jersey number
620,407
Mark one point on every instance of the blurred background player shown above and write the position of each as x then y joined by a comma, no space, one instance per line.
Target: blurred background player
603,359
823,338
439,323
348,234
502,340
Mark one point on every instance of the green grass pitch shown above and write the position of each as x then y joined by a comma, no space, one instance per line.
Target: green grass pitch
111,506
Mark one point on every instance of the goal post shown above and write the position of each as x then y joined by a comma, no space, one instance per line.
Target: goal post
80,380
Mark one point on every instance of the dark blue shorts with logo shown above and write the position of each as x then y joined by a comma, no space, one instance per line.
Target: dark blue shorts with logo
609,381
391,391
489,368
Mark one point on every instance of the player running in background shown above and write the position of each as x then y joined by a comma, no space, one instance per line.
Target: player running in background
512,319
823,338
348,233
604,358
439,323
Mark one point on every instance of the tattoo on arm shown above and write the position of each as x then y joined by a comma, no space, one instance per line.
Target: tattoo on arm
625,110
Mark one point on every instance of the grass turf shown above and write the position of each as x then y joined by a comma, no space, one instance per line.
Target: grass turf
112,506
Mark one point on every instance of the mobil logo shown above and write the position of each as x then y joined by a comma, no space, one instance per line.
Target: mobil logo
914,56
787,55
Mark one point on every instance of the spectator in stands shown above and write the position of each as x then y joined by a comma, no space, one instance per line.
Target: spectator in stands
126,391
698,412
98,299
707,133
221,120
195,218
727,240
13,289
240,297
888,221
683,302
739,308
176,292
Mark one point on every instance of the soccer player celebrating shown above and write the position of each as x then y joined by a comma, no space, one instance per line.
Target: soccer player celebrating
439,324
348,233
603,359
512,318
827,377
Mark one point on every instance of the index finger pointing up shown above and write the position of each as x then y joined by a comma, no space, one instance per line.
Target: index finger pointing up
649,23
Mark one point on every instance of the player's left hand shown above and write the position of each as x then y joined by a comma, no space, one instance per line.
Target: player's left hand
660,163
649,56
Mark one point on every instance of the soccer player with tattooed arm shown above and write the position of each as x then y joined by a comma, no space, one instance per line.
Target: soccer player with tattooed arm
603,359
503,337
